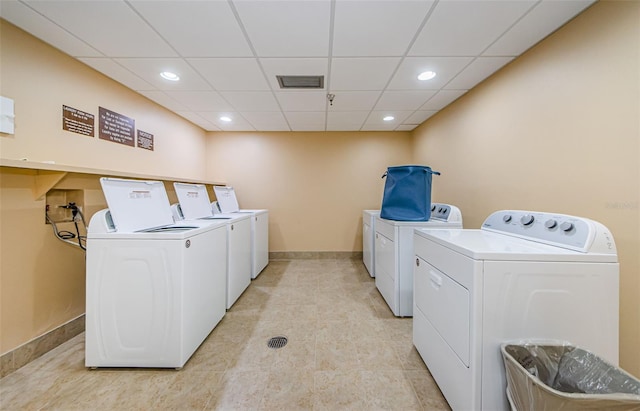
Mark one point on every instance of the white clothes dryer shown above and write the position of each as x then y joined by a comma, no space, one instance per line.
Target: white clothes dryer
522,276
154,289
394,255
368,240
227,203
195,207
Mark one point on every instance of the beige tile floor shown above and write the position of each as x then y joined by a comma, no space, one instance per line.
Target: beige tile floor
346,351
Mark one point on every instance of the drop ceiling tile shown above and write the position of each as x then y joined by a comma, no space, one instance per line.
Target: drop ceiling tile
315,117
120,74
346,120
196,119
149,69
362,73
376,28
354,100
212,27
237,123
273,67
278,28
406,127
22,16
306,120
442,99
545,18
240,46
466,28
474,73
302,100
201,100
403,100
419,117
375,119
446,68
108,26
266,117
251,100
164,100
231,74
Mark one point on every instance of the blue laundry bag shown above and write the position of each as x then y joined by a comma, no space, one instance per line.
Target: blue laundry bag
407,193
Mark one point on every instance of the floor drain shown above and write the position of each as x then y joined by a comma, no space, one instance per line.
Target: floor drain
277,342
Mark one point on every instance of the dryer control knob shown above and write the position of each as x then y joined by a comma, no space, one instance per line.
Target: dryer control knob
566,226
506,218
527,219
433,207
550,224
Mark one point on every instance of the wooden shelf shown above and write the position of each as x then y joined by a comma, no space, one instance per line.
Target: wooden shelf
49,174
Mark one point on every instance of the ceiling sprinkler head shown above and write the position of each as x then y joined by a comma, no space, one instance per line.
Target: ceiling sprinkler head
330,97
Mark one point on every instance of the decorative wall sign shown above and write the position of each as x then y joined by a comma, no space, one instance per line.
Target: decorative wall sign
145,140
116,127
77,121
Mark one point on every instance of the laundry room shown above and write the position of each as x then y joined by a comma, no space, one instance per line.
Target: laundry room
555,129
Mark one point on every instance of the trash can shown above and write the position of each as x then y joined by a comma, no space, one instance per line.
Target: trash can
560,376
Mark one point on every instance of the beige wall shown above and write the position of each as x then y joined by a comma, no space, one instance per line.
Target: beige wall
557,130
315,185
42,278
40,80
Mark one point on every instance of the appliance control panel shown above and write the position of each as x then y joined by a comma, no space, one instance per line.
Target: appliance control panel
445,212
575,233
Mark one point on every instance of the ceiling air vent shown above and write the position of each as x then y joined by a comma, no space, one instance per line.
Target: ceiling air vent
301,81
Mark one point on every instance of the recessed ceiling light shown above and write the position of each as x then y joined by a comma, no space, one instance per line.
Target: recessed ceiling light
167,75
225,118
427,75
388,118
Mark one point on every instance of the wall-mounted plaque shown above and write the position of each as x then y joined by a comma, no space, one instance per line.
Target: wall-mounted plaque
77,121
116,127
145,140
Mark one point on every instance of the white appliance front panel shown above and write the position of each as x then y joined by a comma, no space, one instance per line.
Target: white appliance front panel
400,266
368,239
150,303
132,319
205,285
385,273
509,300
574,302
260,240
445,303
239,258
452,376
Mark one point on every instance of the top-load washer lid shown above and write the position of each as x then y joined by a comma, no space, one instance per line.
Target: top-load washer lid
136,205
194,200
227,201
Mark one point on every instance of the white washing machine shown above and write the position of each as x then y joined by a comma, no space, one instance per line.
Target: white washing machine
195,207
368,240
394,255
523,275
154,289
227,203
